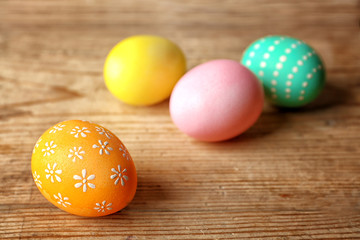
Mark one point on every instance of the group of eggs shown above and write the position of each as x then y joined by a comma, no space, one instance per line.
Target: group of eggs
219,99
84,169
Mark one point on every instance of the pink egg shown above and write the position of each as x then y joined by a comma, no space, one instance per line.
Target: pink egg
216,101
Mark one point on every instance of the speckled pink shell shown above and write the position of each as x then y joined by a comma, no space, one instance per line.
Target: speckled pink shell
216,101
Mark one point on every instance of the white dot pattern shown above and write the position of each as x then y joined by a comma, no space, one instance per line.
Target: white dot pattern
309,75
295,69
279,64
265,62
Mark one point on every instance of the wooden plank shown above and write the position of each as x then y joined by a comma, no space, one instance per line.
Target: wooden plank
293,175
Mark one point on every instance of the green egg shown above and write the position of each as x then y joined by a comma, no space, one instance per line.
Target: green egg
292,73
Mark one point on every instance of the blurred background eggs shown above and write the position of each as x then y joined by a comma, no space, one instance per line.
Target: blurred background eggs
216,101
291,71
142,70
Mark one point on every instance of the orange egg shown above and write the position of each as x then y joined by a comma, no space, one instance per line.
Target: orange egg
84,169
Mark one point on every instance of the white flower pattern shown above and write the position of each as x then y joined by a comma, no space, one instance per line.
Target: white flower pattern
52,173
76,153
49,148
124,151
102,131
37,179
84,180
102,207
37,144
119,175
86,121
77,131
58,127
62,201
103,147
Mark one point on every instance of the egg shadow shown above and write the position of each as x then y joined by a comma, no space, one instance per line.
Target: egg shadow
330,96
269,121
274,117
149,195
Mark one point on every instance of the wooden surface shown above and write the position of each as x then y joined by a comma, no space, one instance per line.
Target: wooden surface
294,175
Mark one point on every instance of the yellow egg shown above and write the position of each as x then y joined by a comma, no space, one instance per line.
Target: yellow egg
142,70
84,169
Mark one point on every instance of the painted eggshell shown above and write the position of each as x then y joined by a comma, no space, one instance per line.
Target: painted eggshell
291,71
216,101
142,70
84,169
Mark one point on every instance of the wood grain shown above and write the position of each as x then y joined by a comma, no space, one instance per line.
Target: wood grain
294,175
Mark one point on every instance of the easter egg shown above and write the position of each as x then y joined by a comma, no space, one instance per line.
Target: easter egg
142,70
84,169
216,100
291,71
